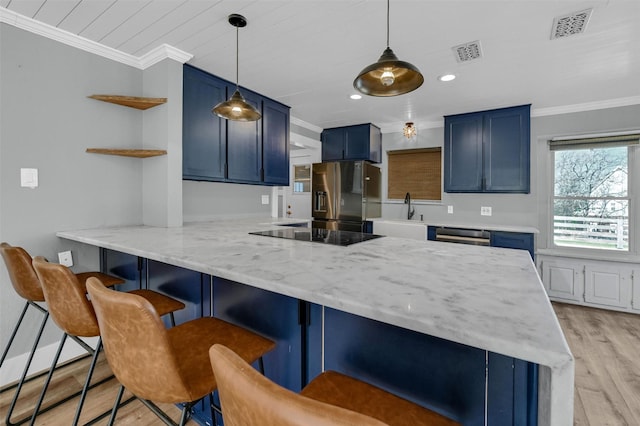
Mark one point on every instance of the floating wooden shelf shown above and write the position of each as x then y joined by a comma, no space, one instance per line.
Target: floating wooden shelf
130,101
138,153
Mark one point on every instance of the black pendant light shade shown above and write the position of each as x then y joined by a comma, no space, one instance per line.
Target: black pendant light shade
389,76
236,108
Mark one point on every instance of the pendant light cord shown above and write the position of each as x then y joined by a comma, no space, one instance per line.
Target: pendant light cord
237,55
387,24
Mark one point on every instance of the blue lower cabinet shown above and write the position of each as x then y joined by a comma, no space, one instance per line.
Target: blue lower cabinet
515,240
441,375
132,269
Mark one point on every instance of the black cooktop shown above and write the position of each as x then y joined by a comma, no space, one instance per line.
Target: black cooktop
317,235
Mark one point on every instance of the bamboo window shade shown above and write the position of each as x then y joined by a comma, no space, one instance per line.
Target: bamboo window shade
416,171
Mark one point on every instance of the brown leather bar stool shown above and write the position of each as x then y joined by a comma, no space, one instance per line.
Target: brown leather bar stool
71,310
331,399
156,364
26,284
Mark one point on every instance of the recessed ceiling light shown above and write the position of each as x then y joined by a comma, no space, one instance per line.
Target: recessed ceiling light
356,96
447,77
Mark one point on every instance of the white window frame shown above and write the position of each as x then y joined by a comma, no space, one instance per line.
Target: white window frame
632,193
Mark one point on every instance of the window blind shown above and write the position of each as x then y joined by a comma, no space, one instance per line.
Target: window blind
416,171
603,141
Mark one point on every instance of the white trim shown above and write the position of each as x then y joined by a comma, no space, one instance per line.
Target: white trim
12,367
588,106
595,135
305,124
36,27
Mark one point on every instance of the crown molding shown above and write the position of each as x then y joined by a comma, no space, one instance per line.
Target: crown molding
152,57
305,124
587,106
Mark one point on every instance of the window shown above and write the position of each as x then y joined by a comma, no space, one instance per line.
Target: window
591,194
416,171
302,178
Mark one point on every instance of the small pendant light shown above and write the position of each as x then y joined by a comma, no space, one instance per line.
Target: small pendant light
236,108
389,76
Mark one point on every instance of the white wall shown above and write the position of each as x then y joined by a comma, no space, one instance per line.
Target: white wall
47,122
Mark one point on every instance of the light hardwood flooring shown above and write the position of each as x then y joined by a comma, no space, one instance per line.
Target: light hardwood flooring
606,348
605,344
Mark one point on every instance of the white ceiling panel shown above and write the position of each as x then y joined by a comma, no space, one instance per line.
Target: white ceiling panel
306,53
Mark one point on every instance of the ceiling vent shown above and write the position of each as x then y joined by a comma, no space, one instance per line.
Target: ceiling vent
468,51
574,23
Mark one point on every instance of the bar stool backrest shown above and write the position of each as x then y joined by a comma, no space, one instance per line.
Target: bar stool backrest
137,345
250,399
21,273
66,299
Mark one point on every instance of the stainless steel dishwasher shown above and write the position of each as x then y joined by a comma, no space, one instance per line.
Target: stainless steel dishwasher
477,237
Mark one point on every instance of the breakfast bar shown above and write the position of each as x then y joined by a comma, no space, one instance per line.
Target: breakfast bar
465,330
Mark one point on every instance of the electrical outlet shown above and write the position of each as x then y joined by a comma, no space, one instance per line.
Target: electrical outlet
485,211
265,199
64,258
450,209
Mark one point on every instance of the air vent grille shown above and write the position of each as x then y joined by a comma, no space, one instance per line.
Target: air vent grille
468,51
574,23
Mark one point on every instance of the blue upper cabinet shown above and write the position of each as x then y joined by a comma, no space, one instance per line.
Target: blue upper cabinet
488,151
244,146
359,142
204,135
214,149
275,147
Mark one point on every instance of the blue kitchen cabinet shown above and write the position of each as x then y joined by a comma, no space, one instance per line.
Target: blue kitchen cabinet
275,143
358,142
215,149
515,240
488,151
244,148
204,134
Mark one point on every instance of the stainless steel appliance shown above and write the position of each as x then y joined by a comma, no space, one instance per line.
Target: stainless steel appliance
325,236
476,237
344,195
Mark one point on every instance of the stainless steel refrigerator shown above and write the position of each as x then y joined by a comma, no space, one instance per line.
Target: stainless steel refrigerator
345,195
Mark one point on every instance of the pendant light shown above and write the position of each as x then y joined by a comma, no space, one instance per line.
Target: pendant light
389,76
236,108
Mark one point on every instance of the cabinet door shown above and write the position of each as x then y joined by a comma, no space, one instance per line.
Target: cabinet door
333,141
610,286
204,135
463,153
506,150
244,146
275,143
563,279
356,143
635,298
516,240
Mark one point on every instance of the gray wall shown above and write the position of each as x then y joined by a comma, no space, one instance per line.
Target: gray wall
47,122
511,209
213,200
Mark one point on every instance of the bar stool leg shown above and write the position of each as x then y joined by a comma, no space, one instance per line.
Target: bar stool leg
13,334
46,383
87,382
116,405
26,368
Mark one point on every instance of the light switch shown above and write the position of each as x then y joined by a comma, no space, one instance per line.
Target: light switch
29,178
450,209
265,199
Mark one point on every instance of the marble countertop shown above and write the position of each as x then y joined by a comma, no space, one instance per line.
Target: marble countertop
490,298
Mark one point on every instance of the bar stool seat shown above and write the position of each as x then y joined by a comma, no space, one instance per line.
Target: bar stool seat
331,399
160,365
72,311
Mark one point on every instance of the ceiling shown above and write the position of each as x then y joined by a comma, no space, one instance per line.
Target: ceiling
306,53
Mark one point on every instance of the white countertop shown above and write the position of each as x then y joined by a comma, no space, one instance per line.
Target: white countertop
490,298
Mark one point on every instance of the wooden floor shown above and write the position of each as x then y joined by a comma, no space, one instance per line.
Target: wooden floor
606,348
70,379
605,344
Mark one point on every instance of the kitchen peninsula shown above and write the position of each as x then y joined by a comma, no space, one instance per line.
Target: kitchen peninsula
462,309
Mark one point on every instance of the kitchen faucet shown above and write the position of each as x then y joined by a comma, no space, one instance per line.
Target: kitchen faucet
410,211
